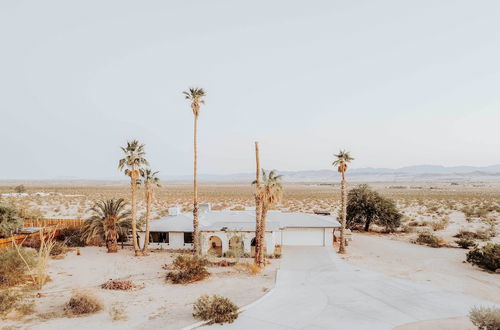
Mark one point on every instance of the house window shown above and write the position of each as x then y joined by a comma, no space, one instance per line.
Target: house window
188,238
159,237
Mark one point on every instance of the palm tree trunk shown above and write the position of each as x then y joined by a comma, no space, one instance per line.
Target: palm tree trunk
262,239
112,236
149,199
196,232
133,182
258,206
344,214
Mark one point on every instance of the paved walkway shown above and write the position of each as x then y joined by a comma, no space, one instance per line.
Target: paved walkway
315,289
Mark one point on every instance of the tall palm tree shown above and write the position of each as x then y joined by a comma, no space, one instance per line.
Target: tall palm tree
150,181
270,193
110,219
343,158
132,164
258,205
196,97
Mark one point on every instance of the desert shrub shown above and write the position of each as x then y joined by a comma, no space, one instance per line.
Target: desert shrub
408,228
188,269
365,206
10,221
440,225
478,234
215,309
13,269
428,238
486,257
118,285
248,267
485,318
222,263
82,303
71,237
466,243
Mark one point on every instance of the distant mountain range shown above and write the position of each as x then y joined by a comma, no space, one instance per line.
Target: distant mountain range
408,173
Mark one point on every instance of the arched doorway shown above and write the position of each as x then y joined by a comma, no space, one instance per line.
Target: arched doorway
252,247
215,246
236,246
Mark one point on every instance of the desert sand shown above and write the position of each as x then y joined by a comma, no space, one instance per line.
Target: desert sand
157,305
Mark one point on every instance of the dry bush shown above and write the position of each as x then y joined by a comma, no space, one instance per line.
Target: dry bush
188,269
71,236
83,302
118,285
466,243
441,224
15,265
248,267
429,239
222,263
485,318
486,257
215,309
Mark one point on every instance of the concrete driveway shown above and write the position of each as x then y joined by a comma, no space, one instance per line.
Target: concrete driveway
315,289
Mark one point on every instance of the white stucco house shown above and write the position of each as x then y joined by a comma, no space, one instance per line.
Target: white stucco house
222,231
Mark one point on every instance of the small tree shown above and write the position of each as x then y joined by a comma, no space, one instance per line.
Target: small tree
10,221
366,206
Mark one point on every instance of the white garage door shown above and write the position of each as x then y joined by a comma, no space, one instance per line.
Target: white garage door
303,237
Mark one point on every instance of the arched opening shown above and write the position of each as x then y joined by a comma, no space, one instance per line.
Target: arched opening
252,247
236,246
215,246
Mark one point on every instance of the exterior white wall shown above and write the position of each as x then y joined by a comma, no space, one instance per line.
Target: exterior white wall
247,240
176,241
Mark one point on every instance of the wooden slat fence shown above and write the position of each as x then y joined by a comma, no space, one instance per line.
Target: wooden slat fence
60,223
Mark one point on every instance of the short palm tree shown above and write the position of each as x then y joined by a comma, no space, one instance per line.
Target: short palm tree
110,219
150,181
132,165
270,193
343,158
196,97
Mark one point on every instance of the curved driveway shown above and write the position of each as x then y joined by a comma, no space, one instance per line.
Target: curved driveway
315,289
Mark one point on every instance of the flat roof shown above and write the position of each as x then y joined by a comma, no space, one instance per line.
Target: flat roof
242,221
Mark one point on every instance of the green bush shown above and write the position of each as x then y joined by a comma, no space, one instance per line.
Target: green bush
485,318
466,243
71,236
215,309
486,257
12,267
188,269
428,238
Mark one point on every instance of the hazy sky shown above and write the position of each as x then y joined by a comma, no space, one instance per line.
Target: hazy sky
395,82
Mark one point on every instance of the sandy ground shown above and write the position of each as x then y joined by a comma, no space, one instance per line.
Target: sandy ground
156,305
442,267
